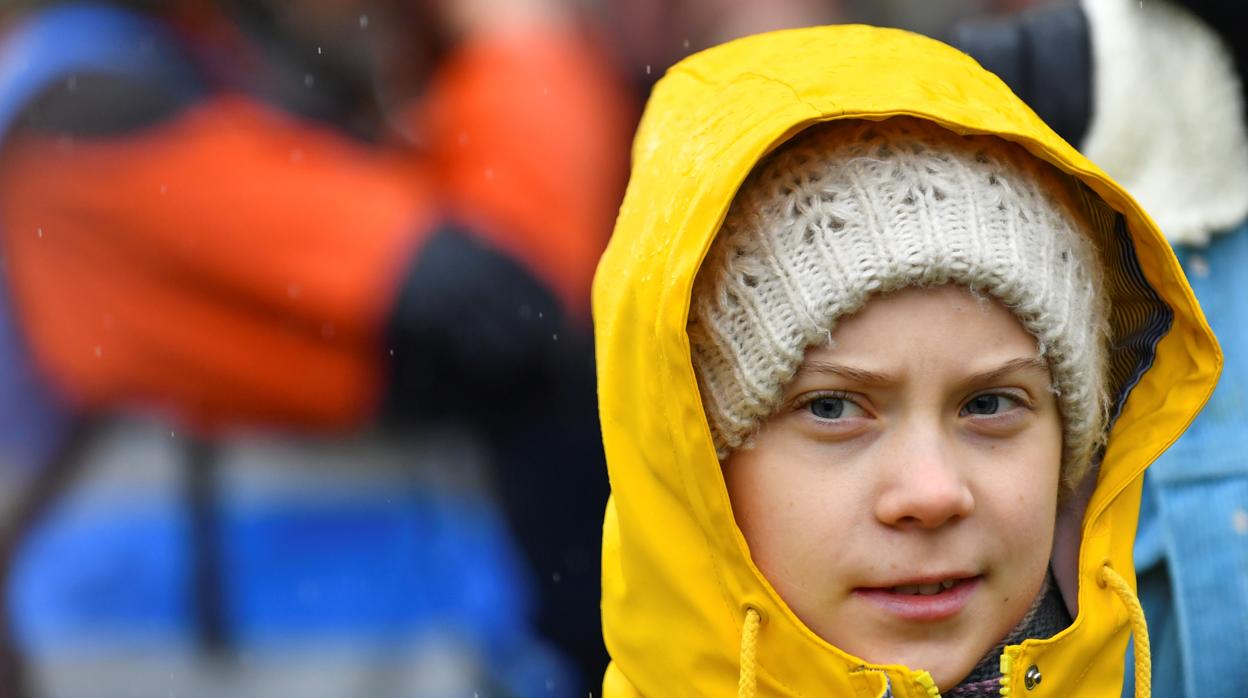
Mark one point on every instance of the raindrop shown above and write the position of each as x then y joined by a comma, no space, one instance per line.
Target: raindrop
686,43
309,80
164,189
392,352
554,337
39,232
294,291
556,578
296,156
72,83
363,21
647,69
1199,265
489,173
99,351
319,51
327,330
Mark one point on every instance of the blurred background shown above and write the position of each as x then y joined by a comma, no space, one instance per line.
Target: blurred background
296,379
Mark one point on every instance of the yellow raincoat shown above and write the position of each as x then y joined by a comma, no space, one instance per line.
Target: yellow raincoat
678,581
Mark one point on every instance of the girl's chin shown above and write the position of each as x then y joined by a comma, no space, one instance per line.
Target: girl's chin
947,664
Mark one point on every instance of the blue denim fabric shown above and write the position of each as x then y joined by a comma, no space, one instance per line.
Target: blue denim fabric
1191,552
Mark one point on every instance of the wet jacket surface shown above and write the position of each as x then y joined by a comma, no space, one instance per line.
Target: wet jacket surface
677,576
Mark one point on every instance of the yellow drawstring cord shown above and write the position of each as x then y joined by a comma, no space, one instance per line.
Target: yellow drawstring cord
1139,630
748,684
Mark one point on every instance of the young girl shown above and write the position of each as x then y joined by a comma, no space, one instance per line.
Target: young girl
881,363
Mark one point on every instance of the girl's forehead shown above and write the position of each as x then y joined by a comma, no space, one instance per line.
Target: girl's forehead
950,313
948,329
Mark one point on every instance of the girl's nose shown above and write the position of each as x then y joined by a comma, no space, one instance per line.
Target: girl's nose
923,485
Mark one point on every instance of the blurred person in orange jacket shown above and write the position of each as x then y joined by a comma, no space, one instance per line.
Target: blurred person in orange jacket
369,225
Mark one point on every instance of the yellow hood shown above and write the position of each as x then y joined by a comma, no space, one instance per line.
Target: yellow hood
677,575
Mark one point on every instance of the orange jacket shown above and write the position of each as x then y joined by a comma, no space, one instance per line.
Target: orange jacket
231,262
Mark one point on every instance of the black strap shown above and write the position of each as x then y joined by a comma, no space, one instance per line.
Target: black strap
206,584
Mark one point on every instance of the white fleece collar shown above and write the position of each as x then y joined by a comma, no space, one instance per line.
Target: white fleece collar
1167,119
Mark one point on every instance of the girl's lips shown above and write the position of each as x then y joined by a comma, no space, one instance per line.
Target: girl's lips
923,608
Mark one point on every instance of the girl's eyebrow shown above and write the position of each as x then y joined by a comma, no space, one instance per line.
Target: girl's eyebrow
1028,363
858,375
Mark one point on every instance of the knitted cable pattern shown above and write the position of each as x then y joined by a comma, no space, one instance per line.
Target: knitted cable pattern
853,209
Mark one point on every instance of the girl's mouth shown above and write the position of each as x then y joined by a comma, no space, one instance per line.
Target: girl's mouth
924,589
923,602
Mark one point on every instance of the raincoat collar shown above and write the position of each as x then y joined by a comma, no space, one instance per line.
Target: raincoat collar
678,582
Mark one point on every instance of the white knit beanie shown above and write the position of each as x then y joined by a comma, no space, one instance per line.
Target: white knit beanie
852,209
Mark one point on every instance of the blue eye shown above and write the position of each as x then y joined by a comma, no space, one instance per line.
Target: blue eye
832,407
989,404
827,407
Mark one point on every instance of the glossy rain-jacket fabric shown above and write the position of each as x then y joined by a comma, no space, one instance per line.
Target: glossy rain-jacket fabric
678,582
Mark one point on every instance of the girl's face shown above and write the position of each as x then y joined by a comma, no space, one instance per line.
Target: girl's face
902,499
